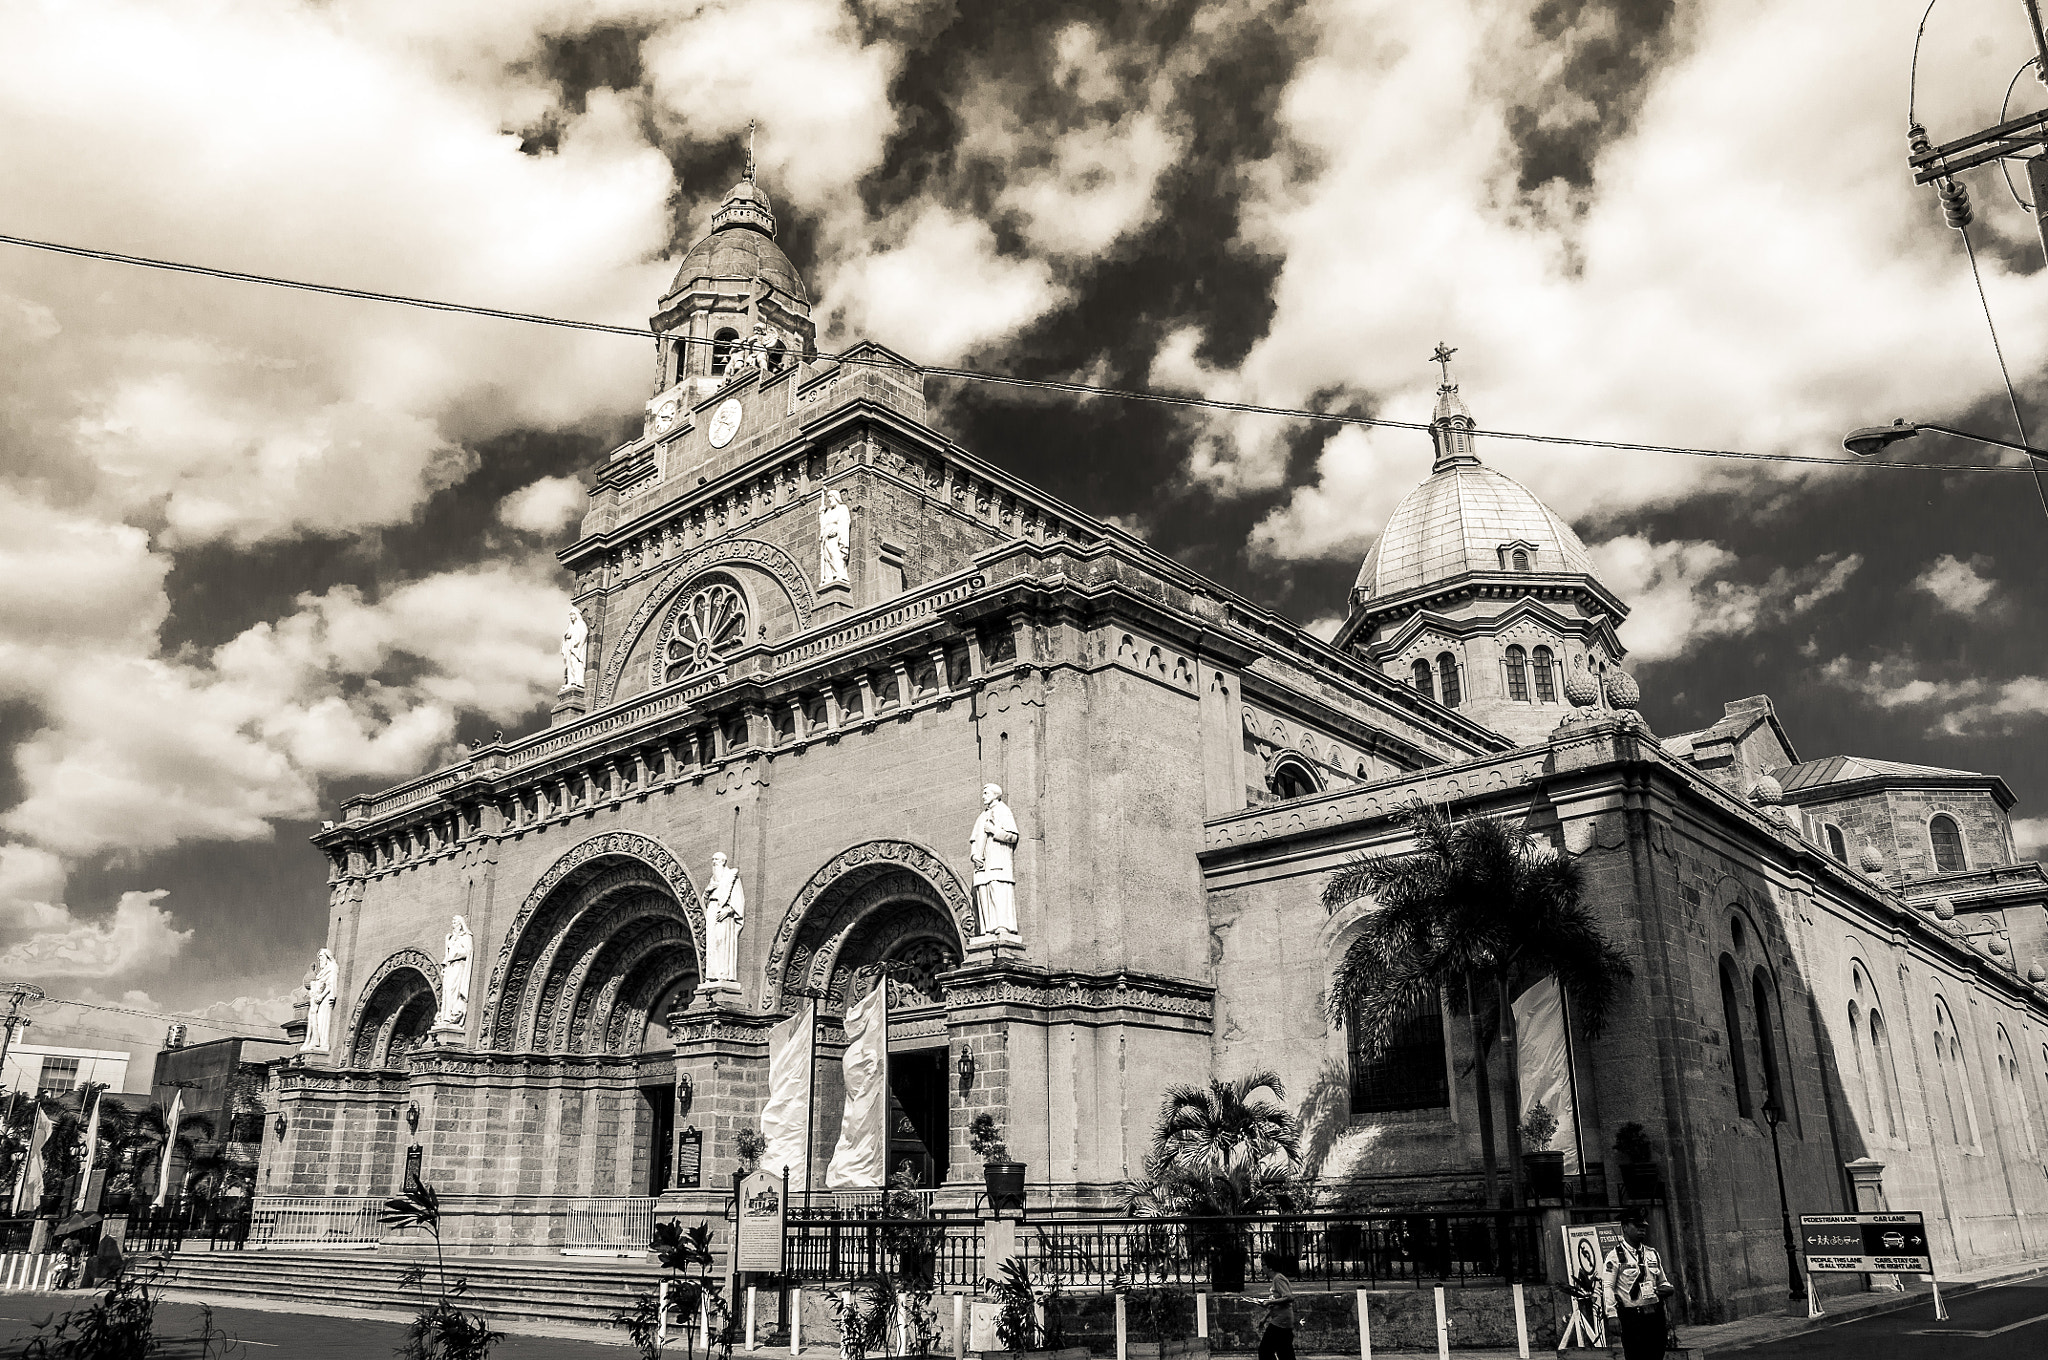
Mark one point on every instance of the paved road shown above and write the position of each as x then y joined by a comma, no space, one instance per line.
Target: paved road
2005,1322
282,1334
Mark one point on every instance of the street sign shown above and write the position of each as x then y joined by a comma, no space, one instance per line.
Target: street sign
1585,1247
761,1222
1865,1243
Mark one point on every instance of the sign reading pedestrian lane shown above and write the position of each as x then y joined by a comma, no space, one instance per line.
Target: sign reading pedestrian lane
1866,1243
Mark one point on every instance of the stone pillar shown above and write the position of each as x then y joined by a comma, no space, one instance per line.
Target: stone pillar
723,1056
570,705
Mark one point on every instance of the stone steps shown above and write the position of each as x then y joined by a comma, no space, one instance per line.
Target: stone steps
502,1289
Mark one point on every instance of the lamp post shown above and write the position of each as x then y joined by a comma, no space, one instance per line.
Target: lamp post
1871,438
1795,1283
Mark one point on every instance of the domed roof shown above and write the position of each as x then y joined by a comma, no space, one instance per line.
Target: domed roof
1457,521
742,246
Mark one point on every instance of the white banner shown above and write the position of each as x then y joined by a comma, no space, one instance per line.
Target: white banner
163,1171
786,1119
861,1161
28,1186
1543,1065
92,1143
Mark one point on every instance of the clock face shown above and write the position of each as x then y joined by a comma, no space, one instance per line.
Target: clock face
665,415
725,422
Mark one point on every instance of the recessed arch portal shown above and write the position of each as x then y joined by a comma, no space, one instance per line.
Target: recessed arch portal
880,902
606,933
396,1007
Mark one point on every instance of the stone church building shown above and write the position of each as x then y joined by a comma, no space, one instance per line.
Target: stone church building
1850,940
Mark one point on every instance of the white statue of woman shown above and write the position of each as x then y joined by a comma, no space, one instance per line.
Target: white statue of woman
725,912
320,1002
995,873
455,957
835,533
573,655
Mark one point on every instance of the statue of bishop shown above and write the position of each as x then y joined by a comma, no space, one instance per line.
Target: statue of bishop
995,874
725,912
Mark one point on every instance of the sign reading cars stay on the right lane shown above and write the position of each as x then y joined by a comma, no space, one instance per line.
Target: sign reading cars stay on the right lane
1866,1243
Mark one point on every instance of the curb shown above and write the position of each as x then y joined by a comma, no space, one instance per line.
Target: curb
1879,1307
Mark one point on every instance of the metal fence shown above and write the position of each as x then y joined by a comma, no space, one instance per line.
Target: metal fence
617,1225
344,1221
948,1250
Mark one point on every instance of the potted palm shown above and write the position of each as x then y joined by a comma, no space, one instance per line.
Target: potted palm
1003,1178
1542,1167
1640,1178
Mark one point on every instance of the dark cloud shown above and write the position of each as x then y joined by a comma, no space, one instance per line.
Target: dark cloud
1604,56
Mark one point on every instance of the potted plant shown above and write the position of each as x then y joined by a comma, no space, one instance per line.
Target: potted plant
1029,1321
750,1145
1155,1327
1639,1176
1003,1178
910,1233
1541,1166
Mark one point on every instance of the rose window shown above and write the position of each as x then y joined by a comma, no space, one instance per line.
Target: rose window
710,628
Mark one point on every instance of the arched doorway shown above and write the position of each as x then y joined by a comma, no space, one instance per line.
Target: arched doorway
885,914
396,1011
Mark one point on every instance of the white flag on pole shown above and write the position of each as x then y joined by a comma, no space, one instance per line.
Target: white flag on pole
861,1160
786,1119
1543,1064
92,1143
28,1186
163,1174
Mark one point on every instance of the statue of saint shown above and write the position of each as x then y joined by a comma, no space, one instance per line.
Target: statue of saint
835,534
725,912
455,962
320,1002
573,655
995,875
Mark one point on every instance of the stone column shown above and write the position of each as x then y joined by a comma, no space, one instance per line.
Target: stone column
723,1056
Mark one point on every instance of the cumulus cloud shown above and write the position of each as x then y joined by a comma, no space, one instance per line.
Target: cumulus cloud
1960,586
1963,706
138,936
2030,837
1681,592
545,507
890,295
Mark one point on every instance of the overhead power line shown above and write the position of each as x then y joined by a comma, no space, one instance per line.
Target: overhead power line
994,379
253,1031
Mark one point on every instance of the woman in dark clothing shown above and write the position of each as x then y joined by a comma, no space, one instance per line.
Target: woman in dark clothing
1276,1338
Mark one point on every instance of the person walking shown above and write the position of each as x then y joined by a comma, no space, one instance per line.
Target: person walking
1634,1287
1276,1338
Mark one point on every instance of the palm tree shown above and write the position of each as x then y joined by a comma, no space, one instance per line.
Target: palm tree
1476,904
1220,1151
147,1134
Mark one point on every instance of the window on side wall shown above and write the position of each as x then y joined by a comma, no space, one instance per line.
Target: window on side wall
1410,1073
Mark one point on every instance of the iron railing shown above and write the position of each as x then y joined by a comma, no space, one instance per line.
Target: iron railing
613,1225
949,1251
345,1221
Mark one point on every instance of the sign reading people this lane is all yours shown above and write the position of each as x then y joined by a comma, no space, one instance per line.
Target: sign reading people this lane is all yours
1866,1243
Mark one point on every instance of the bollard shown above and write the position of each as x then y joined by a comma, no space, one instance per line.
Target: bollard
1201,1313
796,1320
704,1319
750,1317
1443,1327
661,1315
1122,1338
1364,1329
959,1326
1521,1325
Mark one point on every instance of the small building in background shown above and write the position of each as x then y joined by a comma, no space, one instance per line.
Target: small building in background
225,1081
54,1069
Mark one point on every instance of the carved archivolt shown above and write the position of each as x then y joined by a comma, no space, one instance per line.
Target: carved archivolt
738,551
850,885
571,916
365,1037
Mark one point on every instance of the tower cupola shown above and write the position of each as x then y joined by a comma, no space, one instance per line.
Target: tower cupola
1450,428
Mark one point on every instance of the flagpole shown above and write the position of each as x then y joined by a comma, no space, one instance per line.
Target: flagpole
810,1105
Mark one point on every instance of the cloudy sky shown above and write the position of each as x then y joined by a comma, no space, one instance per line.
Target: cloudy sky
262,550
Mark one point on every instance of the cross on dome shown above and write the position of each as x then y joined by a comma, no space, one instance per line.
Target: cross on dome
1443,356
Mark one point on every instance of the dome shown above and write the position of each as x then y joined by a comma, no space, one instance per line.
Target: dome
742,246
1458,521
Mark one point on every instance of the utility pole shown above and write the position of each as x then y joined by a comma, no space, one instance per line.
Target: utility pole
17,994
1938,165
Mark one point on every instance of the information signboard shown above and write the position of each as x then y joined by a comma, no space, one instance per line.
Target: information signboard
761,1222
690,1159
1585,1247
1865,1243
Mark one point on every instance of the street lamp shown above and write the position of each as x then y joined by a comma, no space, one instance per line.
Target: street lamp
1795,1283
1871,438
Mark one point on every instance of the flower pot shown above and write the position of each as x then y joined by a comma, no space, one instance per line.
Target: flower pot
1226,1269
1005,1182
1640,1181
1543,1173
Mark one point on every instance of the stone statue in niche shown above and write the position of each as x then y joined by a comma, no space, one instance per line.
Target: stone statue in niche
995,874
575,658
725,913
455,964
835,534
320,1003
763,351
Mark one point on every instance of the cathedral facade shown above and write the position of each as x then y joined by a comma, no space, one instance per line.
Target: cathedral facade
810,633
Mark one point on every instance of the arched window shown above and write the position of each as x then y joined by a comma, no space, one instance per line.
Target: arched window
1292,778
1864,1081
1420,670
1447,672
1955,1076
1769,1044
721,350
1518,675
1731,1020
1948,844
1837,846
1410,1073
2012,1092
1887,1074
1521,559
1541,665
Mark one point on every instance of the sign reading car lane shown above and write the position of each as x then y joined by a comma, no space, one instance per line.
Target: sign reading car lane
1866,1243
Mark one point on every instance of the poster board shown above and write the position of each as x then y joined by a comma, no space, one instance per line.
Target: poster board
761,1222
1585,1247
690,1159
1866,1243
